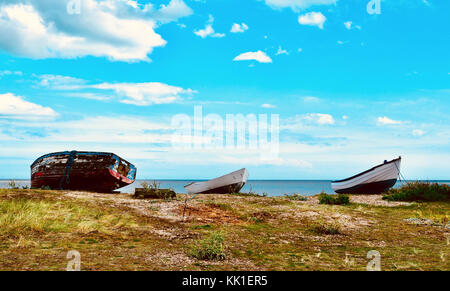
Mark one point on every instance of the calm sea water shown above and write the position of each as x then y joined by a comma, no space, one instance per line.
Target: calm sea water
271,187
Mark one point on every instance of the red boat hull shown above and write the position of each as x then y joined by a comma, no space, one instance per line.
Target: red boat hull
85,171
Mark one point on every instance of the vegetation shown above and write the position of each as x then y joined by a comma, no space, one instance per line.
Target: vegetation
341,199
296,197
153,191
321,227
12,185
419,191
210,248
220,232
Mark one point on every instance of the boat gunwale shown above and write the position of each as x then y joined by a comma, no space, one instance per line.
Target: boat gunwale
367,171
82,153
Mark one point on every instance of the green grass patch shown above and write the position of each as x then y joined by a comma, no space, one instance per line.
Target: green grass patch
296,197
321,227
210,248
420,192
341,199
221,206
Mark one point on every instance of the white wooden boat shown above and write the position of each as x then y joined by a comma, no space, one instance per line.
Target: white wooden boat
231,183
374,181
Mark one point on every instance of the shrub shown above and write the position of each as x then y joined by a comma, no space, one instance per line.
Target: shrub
153,191
296,197
341,199
210,248
419,191
12,184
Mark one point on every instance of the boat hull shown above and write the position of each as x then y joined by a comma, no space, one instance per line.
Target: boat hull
85,171
227,184
374,181
369,188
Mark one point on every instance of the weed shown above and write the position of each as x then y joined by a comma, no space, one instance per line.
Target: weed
419,191
341,199
210,248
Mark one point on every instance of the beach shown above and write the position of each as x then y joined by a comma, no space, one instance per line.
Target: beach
119,232
262,187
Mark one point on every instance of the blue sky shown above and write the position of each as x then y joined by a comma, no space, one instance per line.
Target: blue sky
350,88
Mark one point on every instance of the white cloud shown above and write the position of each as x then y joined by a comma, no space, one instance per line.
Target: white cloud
299,50
58,82
114,29
209,30
281,51
171,12
266,105
319,118
10,73
349,25
141,94
311,99
418,132
258,56
312,19
387,121
298,4
239,27
144,94
16,107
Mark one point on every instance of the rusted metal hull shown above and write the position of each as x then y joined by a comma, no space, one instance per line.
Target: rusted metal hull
86,171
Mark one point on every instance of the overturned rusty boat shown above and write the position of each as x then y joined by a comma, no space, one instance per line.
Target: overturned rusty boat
228,184
85,171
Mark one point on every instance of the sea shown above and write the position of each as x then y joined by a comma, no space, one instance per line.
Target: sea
268,187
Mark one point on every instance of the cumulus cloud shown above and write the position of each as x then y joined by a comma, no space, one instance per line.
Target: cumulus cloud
143,94
266,105
387,121
297,4
312,19
209,30
118,30
15,107
258,56
236,28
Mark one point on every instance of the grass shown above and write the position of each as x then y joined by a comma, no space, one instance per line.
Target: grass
20,216
210,248
117,232
321,227
420,192
296,197
340,199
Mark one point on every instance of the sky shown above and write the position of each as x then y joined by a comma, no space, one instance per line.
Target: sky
352,82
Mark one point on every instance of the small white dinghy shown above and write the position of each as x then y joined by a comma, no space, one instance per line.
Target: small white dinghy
374,181
231,183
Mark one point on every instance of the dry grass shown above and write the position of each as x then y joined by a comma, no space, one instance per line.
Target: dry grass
117,232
